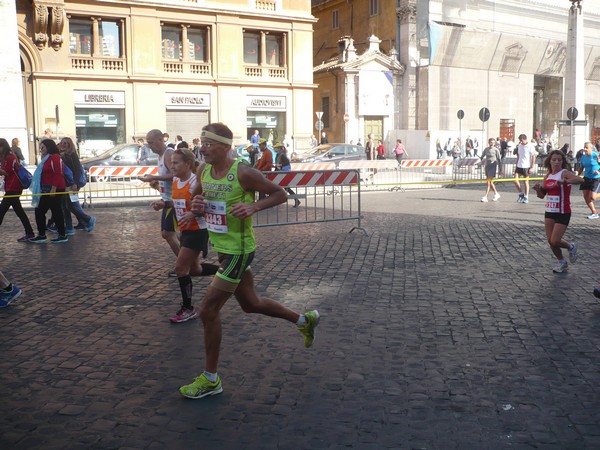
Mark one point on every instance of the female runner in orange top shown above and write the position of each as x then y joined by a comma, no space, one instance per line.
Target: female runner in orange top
194,235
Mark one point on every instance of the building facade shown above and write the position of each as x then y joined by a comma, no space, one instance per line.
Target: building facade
464,55
106,72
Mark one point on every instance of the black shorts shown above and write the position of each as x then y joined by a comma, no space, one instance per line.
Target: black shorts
590,184
168,221
559,218
195,240
522,171
491,169
231,270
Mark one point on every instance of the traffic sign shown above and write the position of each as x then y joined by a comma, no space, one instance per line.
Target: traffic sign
460,114
573,123
484,114
319,125
572,113
346,118
319,114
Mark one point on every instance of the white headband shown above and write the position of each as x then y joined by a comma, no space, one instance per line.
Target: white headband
215,137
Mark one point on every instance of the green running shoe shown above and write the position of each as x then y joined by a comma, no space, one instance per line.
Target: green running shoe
201,387
308,329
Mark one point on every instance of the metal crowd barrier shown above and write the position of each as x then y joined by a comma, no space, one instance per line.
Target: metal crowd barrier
411,173
324,195
106,182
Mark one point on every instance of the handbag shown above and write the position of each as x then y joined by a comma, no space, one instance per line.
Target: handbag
24,176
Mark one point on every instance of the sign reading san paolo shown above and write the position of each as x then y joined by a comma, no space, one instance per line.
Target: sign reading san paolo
265,103
178,100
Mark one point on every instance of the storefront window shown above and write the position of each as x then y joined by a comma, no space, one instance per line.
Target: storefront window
270,125
99,129
80,37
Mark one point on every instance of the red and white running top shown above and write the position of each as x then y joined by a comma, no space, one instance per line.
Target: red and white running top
558,195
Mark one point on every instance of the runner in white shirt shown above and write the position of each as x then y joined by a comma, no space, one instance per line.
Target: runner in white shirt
526,155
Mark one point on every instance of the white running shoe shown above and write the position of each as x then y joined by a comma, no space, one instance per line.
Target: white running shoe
496,197
573,252
484,199
561,267
593,216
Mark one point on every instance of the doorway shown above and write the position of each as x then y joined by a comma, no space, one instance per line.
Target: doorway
27,80
374,125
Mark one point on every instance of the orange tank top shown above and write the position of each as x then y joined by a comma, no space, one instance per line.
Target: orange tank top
182,198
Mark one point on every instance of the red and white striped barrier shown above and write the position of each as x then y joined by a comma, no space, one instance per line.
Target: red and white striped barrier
426,162
123,171
302,179
314,166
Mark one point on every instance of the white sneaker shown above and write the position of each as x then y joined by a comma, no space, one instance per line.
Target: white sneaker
562,266
496,197
593,216
484,199
573,253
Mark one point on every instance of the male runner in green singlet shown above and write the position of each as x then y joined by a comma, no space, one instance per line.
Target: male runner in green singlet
225,196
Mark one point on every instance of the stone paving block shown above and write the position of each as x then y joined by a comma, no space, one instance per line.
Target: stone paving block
444,314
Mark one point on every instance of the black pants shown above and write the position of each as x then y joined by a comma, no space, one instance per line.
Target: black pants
15,202
54,204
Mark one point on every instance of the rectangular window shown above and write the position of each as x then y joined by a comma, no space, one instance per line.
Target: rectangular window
176,39
171,42
273,51
335,16
373,7
80,37
110,38
325,109
251,47
197,44
273,43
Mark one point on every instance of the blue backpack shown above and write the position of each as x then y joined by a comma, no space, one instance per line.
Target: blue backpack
68,173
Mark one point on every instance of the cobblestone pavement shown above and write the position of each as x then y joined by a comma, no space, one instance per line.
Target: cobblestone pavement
442,328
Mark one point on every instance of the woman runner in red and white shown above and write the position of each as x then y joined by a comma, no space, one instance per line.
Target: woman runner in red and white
557,190
194,235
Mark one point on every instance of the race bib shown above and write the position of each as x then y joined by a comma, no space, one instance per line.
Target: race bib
215,214
180,208
553,203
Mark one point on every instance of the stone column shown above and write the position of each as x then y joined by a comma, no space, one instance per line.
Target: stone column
574,82
12,119
407,14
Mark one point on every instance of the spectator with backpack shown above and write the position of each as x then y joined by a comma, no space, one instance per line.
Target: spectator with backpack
48,185
70,202
13,189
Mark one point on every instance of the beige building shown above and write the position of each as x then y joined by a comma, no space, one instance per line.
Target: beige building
508,56
108,71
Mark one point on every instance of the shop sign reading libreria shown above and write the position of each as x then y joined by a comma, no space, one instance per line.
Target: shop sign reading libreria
177,100
265,103
105,99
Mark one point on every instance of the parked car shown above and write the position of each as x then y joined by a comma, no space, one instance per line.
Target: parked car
335,153
120,155
299,156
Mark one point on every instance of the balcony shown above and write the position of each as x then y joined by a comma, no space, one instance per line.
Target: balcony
270,73
98,63
187,68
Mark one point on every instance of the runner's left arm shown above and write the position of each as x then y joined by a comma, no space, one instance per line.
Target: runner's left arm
252,180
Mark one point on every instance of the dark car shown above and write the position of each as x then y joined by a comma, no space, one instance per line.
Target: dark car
120,155
335,153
